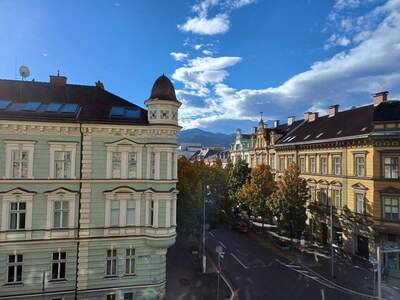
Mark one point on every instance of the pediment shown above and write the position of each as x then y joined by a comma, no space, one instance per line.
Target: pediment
17,191
123,142
390,190
359,186
61,191
323,182
122,190
336,183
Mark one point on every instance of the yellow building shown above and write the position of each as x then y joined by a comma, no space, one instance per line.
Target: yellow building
351,161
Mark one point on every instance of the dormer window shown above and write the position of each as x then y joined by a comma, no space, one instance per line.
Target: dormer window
153,114
164,114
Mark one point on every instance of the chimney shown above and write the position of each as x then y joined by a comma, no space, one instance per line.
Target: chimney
255,129
99,85
58,80
312,116
290,120
380,97
333,110
307,115
276,123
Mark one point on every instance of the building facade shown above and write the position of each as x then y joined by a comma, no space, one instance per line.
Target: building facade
351,161
88,191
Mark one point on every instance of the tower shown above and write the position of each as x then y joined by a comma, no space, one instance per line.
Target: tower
162,105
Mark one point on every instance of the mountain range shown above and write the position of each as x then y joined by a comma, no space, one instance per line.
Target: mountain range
206,138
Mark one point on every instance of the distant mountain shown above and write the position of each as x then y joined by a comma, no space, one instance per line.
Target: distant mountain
206,138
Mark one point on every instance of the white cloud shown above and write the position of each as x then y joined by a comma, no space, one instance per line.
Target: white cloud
198,46
201,25
347,78
179,56
336,40
207,52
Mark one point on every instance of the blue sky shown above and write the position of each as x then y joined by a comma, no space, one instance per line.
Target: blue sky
229,59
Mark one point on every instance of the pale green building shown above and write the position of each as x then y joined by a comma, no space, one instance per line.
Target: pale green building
87,191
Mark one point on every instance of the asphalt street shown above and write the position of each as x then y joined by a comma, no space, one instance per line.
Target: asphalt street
259,273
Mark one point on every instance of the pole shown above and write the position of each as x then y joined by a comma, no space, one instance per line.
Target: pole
378,253
219,271
332,253
43,284
204,230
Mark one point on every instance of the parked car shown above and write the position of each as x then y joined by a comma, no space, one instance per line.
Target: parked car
241,223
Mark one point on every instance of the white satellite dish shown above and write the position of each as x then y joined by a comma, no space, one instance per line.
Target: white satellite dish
24,72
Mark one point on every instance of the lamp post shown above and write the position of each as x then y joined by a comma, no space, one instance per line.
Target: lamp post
332,252
204,260
220,253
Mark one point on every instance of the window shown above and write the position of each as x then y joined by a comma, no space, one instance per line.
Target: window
152,164
61,214
312,164
114,213
360,203
111,267
111,297
58,265
337,165
336,198
312,193
272,161
391,167
116,164
323,196
130,213
324,165
360,165
62,164
130,261
15,268
302,164
128,296
17,215
151,213
19,161
290,160
132,165
281,163
391,208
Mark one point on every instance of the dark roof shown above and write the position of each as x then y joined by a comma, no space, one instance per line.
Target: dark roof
246,136
94,104
357,121
387,111
163,89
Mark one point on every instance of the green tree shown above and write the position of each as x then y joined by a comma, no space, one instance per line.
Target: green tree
238,174
256,192
289,202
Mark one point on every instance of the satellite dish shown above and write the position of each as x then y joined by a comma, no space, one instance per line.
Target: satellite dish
24,72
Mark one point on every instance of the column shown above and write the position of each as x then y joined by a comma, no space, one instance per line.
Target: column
169,165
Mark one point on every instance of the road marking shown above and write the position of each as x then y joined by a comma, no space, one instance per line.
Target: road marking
315,256
322,294
222,244
239,261
212,234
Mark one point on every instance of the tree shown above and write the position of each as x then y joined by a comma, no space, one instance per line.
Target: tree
289,202
256,192
238,174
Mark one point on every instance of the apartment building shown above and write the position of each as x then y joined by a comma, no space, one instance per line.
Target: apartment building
87,191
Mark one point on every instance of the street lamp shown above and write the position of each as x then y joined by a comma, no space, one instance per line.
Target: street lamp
220,253
206,189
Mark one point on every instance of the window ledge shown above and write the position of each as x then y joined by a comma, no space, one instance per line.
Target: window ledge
111,276
58,280
14,283
129,275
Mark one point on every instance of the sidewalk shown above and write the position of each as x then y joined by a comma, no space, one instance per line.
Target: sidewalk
353,276
185,279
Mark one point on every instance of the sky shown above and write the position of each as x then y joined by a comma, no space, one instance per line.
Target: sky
230,60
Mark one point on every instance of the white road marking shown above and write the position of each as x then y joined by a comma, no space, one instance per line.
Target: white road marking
239,261
322,294
222,244
315,256
212,234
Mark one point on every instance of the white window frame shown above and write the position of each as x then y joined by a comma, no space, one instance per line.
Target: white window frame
18,212
312,170
302,164
123,195
323,167
325,200
16,195
337,202
356,202
28,146
356,165
61,194
113,259
125,147
59,262
391,198
130,258
392,173
64,147
149,198
337,166
15,264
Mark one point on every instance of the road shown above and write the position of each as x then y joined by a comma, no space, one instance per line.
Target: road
259,273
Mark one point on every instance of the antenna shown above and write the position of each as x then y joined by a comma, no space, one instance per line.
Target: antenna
24,72
261,115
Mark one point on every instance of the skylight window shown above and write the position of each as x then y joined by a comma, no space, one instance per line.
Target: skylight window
117,111
32,106
339,132
131,113
292,138
307,136
53,107
69,108
4,104
364,128
319,135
